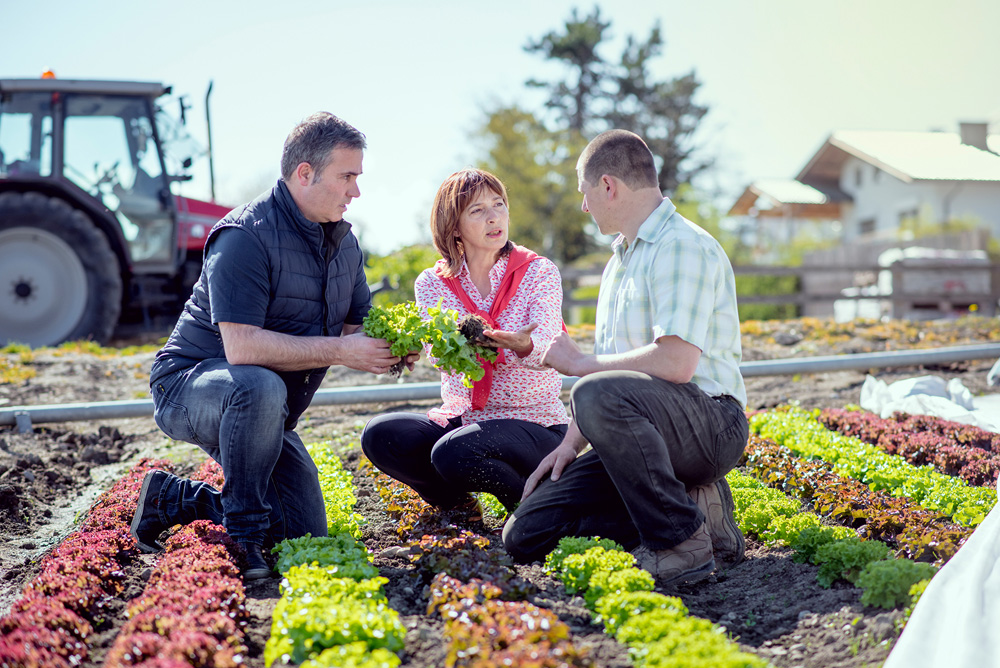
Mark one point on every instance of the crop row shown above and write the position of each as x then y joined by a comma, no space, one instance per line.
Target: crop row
48,627
332,610
192,611
913,532
770,515
764,513
805,436
483,630
475,591
877,335
952,448
655,627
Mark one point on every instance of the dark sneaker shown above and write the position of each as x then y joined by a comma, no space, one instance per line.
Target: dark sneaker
716,502
690,561
257,568
472,509
146,524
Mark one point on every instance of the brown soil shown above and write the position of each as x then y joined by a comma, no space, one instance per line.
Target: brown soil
771,605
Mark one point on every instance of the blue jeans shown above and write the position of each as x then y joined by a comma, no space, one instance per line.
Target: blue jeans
239,416
651,441
444,464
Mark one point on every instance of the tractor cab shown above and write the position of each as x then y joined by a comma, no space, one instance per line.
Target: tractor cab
101,140
90,228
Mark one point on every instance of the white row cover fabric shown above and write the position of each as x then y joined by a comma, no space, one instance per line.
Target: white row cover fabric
956,623
930,395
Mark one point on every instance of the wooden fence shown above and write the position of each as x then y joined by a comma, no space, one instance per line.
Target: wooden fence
903,290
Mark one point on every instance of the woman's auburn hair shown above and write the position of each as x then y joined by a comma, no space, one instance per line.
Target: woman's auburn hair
451,200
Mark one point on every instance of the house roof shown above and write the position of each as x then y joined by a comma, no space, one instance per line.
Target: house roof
787,197
909,156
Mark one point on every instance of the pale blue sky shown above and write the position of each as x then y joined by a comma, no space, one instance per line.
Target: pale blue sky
779,76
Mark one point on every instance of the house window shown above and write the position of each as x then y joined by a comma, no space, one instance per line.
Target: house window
907,217
876,173
857,177
866,226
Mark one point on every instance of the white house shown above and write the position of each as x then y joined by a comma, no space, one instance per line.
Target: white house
891,176
863,186
871,181
777,211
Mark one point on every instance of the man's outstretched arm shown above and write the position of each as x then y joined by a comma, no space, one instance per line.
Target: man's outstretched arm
247,344
669,357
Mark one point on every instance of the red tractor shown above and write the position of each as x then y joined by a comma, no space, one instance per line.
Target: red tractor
91,234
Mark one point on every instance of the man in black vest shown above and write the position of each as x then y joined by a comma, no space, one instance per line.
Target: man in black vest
281,298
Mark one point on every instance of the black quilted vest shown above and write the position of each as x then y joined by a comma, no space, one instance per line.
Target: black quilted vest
309,295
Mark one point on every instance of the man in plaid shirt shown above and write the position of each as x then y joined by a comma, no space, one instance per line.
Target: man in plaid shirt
661,401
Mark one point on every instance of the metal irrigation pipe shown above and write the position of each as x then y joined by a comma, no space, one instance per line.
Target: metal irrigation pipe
24,416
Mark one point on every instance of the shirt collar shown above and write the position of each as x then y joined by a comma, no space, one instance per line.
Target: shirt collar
500,265
650,230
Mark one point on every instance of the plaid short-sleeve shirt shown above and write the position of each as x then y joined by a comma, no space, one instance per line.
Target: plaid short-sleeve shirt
674,280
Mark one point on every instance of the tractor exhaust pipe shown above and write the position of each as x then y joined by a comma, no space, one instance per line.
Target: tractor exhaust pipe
208,123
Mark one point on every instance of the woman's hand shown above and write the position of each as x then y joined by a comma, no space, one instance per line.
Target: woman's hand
520,341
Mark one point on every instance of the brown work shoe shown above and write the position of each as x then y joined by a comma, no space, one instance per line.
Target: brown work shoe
716,502
690,561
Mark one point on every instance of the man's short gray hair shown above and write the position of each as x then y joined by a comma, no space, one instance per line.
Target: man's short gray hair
314,138
621,154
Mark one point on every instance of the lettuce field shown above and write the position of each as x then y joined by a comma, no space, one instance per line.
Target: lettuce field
846,517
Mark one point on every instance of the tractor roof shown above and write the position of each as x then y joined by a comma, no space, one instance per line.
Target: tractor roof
144,88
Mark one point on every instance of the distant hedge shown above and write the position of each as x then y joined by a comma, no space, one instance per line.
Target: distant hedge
759,285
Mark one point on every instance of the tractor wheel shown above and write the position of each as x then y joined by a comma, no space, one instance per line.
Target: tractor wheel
59,279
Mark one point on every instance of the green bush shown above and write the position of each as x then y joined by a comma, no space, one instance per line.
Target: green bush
757,508
652,625
305,626
603,583
689,643
401,268
783,530
341,555
615,609
577,569
353,655
742,480
810,539
761,285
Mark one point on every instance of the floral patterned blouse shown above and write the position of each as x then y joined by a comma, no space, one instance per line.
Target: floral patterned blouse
522,388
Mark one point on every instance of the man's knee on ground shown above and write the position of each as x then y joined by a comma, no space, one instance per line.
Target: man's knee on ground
590,400
520,540
511,540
